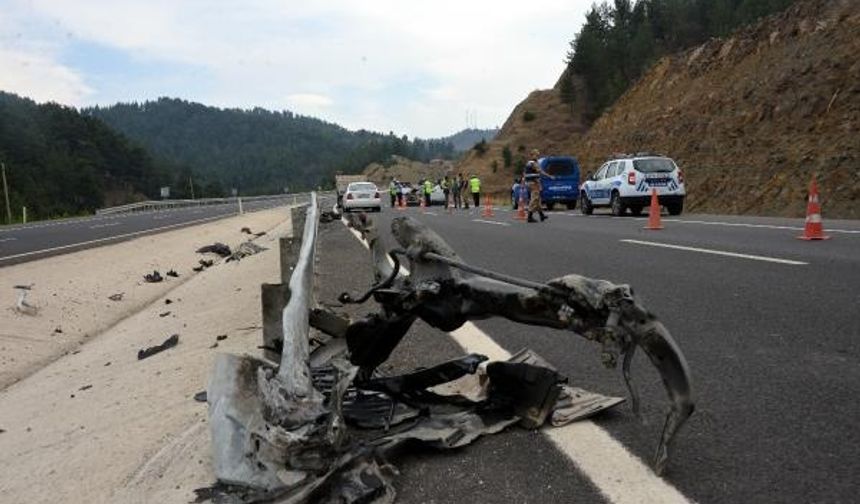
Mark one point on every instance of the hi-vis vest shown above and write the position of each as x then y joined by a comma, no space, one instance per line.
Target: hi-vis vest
392,189
475,184
428,187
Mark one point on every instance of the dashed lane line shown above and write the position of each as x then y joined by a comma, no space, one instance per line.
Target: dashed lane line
717,252
760,226
482,221
109,224
620,476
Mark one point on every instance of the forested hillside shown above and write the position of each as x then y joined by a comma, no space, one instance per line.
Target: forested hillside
258,151
59,162
467,138
619,41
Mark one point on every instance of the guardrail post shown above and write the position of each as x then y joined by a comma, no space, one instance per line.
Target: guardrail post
24,214
241,212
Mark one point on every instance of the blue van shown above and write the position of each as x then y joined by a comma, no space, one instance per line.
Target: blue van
564,189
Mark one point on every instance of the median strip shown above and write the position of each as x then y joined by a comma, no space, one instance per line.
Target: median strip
717,252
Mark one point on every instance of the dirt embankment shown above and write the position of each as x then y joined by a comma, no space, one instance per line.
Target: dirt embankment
750,118
407,170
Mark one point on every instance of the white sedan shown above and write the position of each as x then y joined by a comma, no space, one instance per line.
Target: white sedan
362,196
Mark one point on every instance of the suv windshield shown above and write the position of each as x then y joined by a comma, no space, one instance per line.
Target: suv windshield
362,187
559,169
653,165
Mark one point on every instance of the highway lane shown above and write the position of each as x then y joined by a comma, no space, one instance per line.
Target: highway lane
773,346
41,239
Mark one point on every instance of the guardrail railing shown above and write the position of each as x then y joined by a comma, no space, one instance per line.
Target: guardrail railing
154,205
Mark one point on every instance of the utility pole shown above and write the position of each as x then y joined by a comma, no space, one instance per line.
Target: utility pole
191,183
6,192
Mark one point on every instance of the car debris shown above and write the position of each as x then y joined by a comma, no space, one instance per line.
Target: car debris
245,249
221,337
116,297
200,396
203,264
23,306
164,314
153,277
217,248
58,330
86,387
170,342
168,301
247,230
213,345
320,425
172,273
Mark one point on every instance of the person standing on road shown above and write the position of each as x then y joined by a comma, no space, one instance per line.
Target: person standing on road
464,190
455,190
446,189
428,188
531,175
475,189
393,192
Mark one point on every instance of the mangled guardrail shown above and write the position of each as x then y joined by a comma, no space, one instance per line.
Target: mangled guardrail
317,421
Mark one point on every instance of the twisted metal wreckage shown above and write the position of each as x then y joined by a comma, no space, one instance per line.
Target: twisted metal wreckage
320,426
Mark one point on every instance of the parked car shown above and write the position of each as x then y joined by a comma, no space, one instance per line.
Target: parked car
410,193
362,195
562,189
626,182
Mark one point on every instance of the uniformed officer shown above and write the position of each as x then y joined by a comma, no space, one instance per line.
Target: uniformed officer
392,191
475,189
531,175
428,188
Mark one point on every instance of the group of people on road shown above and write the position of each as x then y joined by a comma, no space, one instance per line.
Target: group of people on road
457,191
460,190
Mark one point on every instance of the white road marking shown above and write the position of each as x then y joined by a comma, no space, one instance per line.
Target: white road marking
429,213
491,222
109,224
7,239
618,474
761,226
109,238
718,252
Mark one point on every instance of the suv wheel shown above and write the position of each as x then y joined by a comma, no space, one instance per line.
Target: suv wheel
585,205
616,205
675,208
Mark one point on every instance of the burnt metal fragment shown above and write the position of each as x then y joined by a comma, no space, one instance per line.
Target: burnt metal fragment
170,342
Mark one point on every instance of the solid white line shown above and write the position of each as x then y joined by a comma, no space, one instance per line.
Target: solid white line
110,238
718,252
7,239
761,226
491,222
618,474
109,224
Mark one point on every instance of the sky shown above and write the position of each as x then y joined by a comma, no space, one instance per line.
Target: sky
419,68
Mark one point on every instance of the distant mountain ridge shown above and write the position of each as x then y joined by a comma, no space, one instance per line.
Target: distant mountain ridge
258,151
467,138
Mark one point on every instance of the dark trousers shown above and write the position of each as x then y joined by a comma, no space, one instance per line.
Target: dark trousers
456,195
476,197
393,199
427,199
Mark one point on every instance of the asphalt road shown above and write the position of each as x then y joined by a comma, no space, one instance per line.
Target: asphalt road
772,336
21,243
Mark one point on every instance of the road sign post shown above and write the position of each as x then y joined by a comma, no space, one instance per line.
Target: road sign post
6,193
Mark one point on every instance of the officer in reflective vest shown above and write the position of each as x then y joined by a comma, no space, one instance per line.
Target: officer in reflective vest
428,188
475,189
392,191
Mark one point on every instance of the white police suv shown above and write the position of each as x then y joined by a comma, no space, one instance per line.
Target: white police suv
626,182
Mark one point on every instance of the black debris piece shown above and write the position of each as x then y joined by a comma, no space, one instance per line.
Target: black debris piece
58,330
200,396
246,230
86,387
221,337
107,363
172,273
206,262
214,345
116,297
71,396
261,233
149,352
2,431
216,248
246,249
153,277
168,301
162,315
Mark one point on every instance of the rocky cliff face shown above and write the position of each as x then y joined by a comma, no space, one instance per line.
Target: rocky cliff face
750,118
753,117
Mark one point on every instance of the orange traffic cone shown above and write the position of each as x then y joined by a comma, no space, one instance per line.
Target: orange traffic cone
654,213
813,229
488,207
521,208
